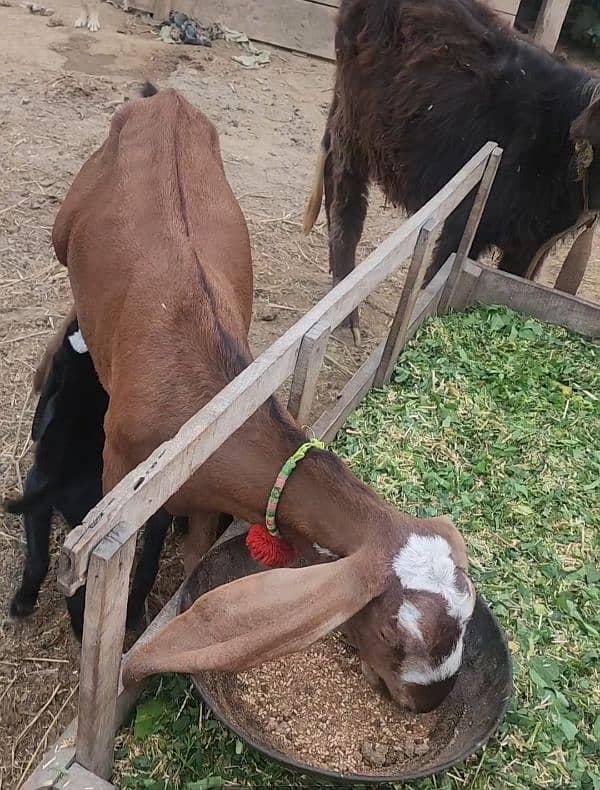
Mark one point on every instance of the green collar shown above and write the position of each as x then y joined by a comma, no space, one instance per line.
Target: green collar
282,478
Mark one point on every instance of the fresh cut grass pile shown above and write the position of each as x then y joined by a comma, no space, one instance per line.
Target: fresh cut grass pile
493,419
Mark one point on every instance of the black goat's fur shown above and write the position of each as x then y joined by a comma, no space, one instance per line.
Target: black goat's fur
66,477
421,86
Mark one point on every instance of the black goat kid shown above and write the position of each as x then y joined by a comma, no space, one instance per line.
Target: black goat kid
67,477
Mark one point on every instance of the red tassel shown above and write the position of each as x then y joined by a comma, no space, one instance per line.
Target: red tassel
268,549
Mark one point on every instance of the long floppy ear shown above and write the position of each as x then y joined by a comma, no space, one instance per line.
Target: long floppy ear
587,125
443,526
257,618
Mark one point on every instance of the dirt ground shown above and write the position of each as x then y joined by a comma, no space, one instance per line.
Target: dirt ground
59,87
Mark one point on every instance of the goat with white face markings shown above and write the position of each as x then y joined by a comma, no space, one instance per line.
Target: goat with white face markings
433,599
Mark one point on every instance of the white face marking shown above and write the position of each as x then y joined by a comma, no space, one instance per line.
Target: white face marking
409,618
324,552
425,563
425,675
77,342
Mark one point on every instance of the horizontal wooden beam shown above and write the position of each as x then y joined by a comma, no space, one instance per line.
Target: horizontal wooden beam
296,25
546,304
154,481
55,761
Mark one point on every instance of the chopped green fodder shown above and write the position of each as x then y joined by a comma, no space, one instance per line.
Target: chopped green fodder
492,418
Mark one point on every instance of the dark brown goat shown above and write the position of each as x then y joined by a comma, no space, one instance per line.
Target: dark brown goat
159,262
420,87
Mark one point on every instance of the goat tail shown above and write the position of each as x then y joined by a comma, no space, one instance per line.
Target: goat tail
43,369
313,207
28,502
148,89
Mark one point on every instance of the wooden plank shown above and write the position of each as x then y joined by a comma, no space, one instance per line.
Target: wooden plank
470,231
573,269
54,762
396,338
306,372
290,24
155,480
509,18
101,649
145,6
549,23
161,9
79,778
509,7
463,293
546,304
330,422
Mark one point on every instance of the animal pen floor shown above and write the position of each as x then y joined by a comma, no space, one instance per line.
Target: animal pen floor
59,87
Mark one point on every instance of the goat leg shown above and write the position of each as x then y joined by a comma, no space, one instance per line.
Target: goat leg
346,200
146,569
201,534
37,522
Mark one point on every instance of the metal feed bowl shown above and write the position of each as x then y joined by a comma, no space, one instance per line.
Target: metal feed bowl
467,718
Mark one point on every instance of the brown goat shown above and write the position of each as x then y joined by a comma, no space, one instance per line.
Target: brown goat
159,262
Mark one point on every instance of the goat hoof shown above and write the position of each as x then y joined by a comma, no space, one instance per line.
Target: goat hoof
21,607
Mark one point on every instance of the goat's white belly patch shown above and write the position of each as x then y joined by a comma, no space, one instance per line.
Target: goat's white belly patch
78,343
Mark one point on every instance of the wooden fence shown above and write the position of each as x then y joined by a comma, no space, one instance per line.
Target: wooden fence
306,26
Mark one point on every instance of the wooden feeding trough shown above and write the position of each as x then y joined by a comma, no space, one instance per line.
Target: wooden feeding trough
100,551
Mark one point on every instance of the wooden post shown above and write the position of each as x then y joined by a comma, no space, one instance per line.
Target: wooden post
471,227
306,372
101,649
414,280
573,269
549,23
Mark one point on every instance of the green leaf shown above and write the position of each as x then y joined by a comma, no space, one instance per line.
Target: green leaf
209,783
146,718
547,669
592,575
568,728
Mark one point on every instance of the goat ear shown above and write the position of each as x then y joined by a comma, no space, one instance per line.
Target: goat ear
256,619
442,525
587,125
